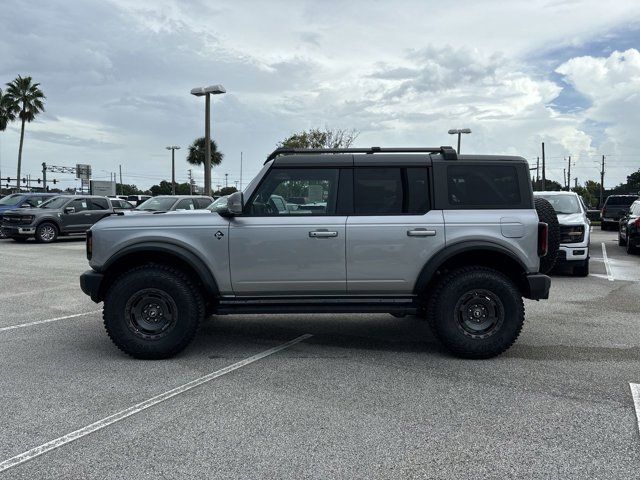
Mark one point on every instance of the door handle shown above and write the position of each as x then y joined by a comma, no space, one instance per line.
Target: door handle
87,214
322,234
421,232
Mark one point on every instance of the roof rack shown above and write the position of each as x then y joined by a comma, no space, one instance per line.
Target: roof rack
448,153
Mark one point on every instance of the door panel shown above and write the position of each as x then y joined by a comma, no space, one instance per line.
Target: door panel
79,221
284,255
385,254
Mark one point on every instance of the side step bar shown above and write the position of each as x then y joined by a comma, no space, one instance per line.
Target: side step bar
275,305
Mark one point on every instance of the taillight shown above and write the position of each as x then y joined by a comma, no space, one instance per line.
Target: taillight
637,223
543,239
89,244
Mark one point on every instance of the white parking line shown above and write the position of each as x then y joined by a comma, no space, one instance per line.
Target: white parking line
635,393
606,263
116,417
40,322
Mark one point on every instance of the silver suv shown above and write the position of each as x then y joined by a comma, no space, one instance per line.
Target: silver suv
422,231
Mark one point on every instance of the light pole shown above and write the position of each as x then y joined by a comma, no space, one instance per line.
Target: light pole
173,149
207,92
459,132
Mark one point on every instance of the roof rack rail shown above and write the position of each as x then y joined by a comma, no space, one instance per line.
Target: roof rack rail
447,152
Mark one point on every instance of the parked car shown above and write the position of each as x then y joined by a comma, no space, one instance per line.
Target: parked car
614,208
136,200
374,243
62,215
22,200
629,228
170,203
575,228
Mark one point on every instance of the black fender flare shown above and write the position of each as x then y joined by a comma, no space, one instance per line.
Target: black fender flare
449,251
182,253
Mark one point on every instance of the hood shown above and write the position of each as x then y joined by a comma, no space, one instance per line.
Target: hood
177,219
571,219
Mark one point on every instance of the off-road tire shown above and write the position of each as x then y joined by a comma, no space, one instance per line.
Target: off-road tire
173,289
46,232
446,322
582,270
548,215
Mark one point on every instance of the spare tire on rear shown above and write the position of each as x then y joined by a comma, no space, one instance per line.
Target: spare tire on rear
547,214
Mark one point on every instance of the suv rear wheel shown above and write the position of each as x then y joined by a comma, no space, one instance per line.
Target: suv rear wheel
476,312
152,311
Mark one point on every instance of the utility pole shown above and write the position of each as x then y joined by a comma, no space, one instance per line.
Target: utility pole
602,182
569,174
575,185
173,149
538,170
44,177
121,187
544,176
564,178
190,182
226,180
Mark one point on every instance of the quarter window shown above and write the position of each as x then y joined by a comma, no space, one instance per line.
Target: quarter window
99,204
483,185
296,191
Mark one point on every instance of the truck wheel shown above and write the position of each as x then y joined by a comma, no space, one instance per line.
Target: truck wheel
152,311
582,270
621,242
476,312
46,232
548,215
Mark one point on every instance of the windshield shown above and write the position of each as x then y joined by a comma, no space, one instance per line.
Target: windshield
11,199
157,204
218,204
623,201
57,202
563,203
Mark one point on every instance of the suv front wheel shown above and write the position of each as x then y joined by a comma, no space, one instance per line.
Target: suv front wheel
152,311
476,312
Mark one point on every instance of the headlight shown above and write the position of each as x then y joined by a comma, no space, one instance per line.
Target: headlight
571,233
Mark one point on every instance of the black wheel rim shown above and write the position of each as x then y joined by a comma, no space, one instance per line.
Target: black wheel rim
479,313
151,313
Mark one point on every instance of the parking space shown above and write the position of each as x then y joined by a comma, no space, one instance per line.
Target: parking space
366,396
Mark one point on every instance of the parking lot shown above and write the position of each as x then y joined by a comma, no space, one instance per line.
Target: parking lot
364,396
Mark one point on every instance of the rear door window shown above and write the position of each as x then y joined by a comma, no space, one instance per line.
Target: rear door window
186,204
99,204
483,186
80,204
391,191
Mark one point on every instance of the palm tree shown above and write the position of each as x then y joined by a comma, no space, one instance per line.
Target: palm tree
196,153
8,110
30,102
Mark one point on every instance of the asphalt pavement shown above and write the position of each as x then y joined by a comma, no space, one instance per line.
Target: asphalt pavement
365,396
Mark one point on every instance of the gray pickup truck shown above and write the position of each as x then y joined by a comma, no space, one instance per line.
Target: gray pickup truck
408,231
62,215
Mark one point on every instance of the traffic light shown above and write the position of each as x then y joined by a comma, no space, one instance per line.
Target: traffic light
38,180
8,179
24,180
55,181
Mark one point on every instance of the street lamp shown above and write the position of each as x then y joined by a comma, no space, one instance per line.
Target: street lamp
459,132
207,92
173,149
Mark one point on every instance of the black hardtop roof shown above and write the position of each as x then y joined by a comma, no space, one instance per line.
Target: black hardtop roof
377,156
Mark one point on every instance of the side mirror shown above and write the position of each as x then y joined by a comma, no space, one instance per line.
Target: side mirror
69,210
235,204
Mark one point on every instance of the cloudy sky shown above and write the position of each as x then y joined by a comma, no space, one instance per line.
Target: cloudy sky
117,76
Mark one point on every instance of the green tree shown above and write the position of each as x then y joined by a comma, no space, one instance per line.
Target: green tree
8,110
164,188
320,138
549,186
197,152
225,191
30,102
128,189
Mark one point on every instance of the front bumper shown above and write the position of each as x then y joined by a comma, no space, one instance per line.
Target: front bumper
539,286
573,253
91,283
15,231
